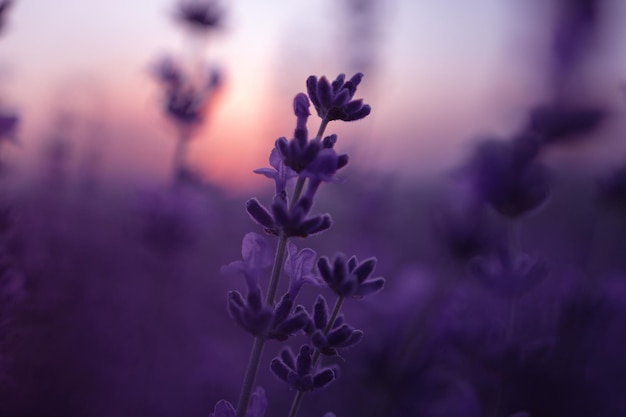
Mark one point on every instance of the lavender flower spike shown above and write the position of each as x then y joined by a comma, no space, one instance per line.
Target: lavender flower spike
334,101
280,173
258,404
201,15
298,267
340,336
350,279
256,253
299,372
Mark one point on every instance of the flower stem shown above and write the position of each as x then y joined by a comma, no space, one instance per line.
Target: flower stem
259,342
248,382
320,131
297,400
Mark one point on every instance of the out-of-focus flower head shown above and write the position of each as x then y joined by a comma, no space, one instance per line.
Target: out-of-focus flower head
300,372
333,101
350,278
200,15
560,123
461,227
168,71
510,275
256,408
170,219
8,127
5,5
507,176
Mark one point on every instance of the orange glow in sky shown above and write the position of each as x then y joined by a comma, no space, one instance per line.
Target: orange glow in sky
442,74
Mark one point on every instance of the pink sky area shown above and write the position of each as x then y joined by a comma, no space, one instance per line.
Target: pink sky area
441,75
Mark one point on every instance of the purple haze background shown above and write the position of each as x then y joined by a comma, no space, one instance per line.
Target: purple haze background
113,303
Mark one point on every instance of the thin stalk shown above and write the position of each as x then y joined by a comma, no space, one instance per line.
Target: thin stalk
178,159
297,400
321,130
248,382
259,342
279,259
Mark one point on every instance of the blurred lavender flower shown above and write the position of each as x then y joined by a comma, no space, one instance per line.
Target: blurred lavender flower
170,220
8,127
5,5
350,278
460,225
200,15
328,339
334,101
507,176
258,404
300,372
559,123
509,274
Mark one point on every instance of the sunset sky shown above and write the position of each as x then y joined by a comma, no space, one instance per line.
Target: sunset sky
439,75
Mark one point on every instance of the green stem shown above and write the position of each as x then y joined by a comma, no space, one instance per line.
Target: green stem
297,400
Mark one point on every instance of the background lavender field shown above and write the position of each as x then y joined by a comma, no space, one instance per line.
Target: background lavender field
487,181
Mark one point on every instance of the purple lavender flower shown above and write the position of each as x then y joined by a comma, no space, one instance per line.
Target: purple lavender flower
257,256
258,404
280,173
291,221
299,151
201,15
299,269
350,278
263,321
299,372
334,101
287,321
340,335
251,312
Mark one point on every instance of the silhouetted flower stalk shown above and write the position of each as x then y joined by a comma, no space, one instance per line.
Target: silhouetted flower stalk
312,162
190,89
